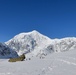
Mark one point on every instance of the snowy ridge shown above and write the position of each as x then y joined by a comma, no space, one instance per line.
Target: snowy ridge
65,44
37,44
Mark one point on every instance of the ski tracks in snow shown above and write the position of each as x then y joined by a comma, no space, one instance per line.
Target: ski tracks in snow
68,60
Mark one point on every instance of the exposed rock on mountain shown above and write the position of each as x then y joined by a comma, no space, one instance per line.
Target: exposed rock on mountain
6,52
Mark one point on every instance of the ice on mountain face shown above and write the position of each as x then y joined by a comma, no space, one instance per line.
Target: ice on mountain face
6,52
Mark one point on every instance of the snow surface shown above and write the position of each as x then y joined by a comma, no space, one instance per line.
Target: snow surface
63,63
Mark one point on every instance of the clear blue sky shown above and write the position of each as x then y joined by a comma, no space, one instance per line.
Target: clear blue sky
53,18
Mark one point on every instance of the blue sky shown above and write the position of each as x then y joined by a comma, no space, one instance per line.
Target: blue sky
53,18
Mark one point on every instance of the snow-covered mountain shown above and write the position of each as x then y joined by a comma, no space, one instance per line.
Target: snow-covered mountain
6,52
39,45
29,42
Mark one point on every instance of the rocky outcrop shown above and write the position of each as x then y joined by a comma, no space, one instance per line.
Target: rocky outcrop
20,58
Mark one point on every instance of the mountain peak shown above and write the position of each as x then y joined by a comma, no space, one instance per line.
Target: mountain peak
35,31
28,33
